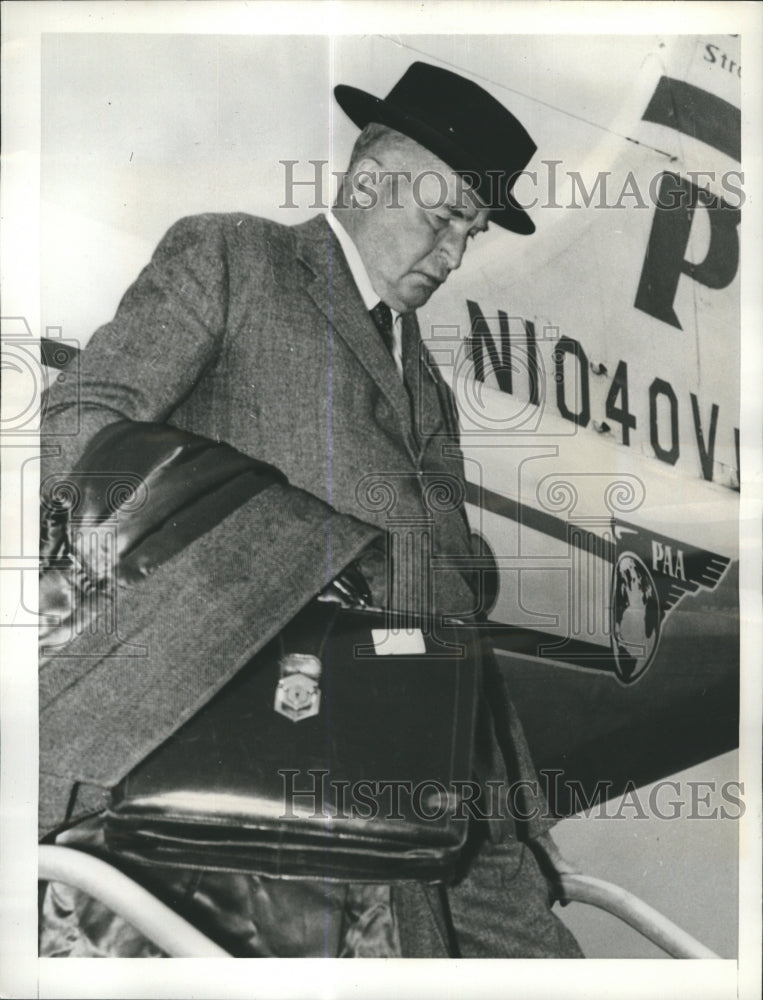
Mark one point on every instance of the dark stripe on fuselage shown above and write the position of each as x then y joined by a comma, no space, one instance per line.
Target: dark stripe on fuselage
538,520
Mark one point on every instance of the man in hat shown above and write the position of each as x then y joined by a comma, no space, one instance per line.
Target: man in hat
299,347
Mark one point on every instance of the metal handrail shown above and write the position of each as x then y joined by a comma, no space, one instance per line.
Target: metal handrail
147,914
633,911
180,939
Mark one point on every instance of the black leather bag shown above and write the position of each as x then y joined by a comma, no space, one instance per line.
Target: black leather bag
140,493
324,758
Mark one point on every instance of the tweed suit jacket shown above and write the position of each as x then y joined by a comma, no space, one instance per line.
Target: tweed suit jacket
253,333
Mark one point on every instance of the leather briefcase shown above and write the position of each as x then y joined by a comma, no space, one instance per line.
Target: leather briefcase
337,753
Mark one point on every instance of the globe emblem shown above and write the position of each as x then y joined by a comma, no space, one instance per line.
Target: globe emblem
635,617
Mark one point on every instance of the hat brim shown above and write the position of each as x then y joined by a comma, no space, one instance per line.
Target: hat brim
363,108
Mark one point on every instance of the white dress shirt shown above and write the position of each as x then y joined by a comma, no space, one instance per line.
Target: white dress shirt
366,289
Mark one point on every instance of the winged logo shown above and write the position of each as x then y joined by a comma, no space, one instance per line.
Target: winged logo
652,573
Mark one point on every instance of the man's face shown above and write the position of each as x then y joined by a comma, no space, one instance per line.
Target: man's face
414,224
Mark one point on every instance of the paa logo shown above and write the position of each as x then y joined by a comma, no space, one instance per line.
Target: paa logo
651,575
635,617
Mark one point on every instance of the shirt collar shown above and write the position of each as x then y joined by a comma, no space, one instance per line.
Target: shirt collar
363,282
355,263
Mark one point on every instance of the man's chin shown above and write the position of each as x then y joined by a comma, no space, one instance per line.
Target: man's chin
420,300
417,295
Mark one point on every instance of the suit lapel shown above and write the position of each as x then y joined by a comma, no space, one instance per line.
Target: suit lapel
334,292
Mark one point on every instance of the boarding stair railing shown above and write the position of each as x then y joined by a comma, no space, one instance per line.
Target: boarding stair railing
180,939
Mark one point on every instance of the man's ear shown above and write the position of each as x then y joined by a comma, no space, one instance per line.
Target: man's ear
366,183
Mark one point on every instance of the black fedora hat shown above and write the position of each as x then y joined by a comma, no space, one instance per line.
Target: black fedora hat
460,123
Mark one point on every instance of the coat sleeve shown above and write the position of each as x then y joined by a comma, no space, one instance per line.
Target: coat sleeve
109,696
142,364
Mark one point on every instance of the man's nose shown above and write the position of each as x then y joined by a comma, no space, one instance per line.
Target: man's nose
452,248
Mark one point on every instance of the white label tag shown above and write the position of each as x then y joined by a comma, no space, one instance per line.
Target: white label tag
398,641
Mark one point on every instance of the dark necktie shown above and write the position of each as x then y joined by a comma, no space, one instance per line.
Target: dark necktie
381,314
410,345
